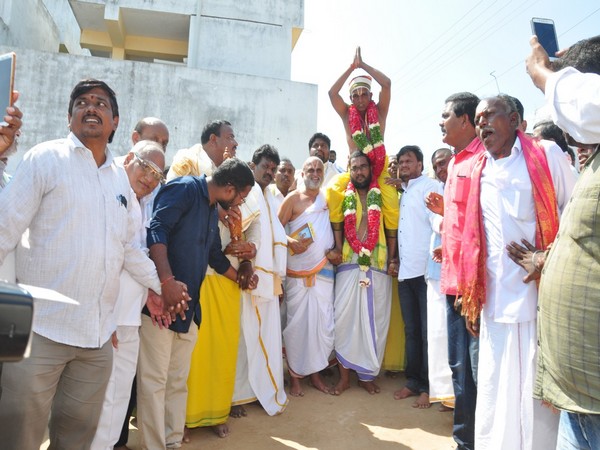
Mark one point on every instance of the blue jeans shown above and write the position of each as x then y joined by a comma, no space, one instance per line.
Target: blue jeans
413,303
463,351
578,431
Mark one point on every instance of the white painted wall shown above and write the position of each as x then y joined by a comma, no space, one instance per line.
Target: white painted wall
262,110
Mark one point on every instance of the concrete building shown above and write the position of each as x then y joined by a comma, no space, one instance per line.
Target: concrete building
185,61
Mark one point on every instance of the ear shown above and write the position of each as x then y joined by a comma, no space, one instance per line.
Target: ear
115,122
128,158
514,119
135,137
252,165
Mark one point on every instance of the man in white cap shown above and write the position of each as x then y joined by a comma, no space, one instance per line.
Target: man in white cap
363,112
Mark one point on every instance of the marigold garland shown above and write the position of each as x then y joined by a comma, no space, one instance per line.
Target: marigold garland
370,141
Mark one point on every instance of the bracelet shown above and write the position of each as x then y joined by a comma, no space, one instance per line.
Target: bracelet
162,283
533,261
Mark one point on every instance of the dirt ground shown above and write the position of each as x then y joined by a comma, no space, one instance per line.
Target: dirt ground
317,421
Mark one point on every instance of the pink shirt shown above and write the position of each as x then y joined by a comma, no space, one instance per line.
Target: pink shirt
456,193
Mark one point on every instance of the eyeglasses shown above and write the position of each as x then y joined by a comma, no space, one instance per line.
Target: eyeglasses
150,169
238,194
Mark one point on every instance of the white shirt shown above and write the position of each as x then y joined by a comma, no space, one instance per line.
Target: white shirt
277,195
574,100
415,226
80,233
133,295
508,215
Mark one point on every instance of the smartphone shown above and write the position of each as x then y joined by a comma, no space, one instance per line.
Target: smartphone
546,34
7,79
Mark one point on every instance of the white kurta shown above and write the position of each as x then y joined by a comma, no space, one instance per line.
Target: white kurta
507,416
309,295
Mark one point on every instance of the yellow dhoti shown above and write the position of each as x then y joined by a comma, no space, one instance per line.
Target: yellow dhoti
212,372
393,358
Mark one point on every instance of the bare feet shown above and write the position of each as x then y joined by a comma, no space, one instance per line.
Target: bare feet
422,402
444,408
296,387
404,393
318,383
340,387
393,374
238,411
369,386
186,435
221,430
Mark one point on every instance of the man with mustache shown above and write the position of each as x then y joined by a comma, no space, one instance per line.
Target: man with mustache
284,178
414,235
77,205
217,138
319,145
518,189
259,369
365,253
309,282
458,130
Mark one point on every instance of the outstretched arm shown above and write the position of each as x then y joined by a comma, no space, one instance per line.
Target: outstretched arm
336,99
538,64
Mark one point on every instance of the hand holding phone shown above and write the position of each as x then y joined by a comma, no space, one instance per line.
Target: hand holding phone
546,33
7,78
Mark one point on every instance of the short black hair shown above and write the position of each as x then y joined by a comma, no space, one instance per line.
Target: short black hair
415,149
87,85
316,136
464,103
266,151
583,56
285,159
519,106
234,172
440,150
359,154
213,127
550,131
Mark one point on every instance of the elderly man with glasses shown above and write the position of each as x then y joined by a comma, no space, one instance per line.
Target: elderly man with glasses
144,165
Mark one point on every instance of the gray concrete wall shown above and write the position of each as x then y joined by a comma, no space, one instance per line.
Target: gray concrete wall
18,29
262,110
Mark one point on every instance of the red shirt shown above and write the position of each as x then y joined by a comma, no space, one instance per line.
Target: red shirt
456,193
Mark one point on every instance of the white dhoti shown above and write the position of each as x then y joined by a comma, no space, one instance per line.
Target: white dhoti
362,319
259,371
118,391
259,368
309,331
440,374
309,294
507,416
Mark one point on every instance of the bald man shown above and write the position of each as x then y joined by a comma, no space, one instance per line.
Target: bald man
309,288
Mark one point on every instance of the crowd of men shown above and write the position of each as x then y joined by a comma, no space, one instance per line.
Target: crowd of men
191,284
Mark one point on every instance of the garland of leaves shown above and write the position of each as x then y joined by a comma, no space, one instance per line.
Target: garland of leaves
370,141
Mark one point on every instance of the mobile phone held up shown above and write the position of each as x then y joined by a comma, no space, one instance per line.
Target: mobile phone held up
546,34
7,78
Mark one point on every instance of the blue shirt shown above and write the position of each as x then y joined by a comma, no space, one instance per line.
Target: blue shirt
187,224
